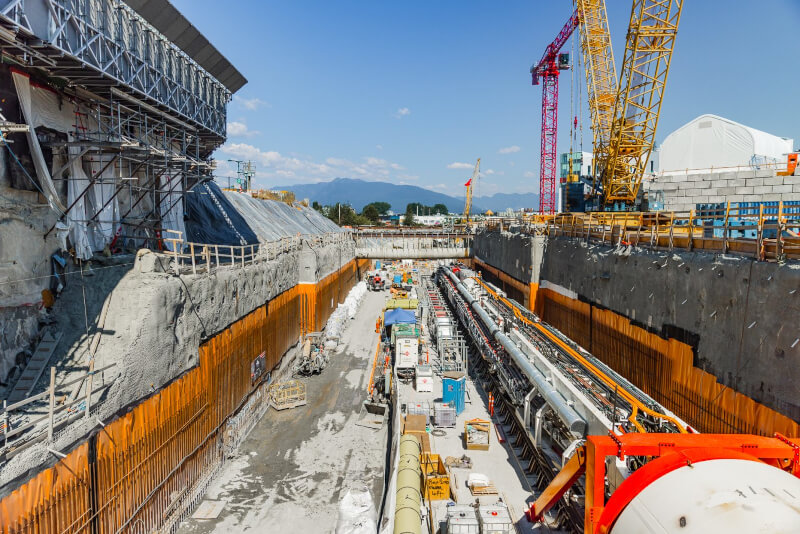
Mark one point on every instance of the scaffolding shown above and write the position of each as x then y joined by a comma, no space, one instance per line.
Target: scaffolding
147,117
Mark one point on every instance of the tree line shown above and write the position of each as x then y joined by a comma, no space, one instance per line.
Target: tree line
345,215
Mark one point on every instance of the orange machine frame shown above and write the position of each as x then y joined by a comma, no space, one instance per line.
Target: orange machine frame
667,452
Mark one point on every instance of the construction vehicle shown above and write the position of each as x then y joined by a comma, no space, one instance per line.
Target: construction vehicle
375,282
468,185
791,165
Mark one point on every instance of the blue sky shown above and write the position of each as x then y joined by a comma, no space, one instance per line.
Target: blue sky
413,92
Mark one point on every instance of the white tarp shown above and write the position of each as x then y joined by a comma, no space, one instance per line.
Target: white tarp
42,107
32,117
714,142
171,207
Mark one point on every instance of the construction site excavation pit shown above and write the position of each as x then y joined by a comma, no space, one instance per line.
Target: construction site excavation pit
297,465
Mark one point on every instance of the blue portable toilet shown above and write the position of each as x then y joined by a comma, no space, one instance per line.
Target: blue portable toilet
454,389
377,264
398,279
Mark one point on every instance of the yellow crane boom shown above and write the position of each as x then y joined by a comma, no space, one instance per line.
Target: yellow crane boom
645,67
601,73
468,201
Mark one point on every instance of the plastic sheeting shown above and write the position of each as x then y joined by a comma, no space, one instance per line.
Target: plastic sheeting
212,219
36,115
661,368
42,107
711,141
271,220
171,207
399,315
357,513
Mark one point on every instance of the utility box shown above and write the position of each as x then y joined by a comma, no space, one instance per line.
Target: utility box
462,519
423,379
444,415
495,519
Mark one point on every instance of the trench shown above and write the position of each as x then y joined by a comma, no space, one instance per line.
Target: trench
146,469
662,367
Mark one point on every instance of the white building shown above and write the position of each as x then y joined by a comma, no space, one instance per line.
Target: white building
711,142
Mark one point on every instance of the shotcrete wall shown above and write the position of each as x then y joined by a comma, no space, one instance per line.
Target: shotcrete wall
740,315
517,255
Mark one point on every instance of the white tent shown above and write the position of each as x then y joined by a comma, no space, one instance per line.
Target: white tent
712,142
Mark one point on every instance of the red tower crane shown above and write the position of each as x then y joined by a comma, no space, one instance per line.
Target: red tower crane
547,70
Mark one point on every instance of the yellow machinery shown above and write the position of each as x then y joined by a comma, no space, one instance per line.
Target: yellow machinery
468,185
623,140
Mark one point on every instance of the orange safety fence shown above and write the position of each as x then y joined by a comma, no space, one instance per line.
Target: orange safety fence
138,470
661,368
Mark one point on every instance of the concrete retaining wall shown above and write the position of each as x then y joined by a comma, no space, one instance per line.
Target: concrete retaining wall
517,255
682,192
740,314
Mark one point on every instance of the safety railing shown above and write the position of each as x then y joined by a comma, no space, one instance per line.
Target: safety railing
765,232
31,420
202,257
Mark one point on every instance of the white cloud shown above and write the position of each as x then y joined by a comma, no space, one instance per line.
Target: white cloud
250,103
529,174
402,112
240,129
509,150
379,147
460,165
275,167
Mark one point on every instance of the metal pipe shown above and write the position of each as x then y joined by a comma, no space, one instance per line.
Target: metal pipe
565,412
408,498
557,401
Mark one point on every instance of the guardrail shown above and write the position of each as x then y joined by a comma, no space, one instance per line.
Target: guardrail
763,231
203,256
17,433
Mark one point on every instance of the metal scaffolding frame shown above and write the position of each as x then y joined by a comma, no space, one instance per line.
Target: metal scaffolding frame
99,44
142,148
143,107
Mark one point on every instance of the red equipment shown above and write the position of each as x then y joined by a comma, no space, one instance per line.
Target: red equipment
778,458
548,69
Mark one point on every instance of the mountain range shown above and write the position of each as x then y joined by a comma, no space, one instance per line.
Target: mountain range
359,193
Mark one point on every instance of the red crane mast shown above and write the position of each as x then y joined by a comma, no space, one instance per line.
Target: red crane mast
547,70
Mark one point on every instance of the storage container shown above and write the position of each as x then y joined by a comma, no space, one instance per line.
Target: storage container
444,415
462,519
424,379
495,519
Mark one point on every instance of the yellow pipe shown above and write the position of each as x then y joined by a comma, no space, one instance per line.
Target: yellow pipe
408,498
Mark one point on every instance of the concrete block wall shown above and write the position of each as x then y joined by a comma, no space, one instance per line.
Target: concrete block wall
682,192
517,255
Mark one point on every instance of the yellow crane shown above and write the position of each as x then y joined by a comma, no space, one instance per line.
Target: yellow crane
468,185
623,139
